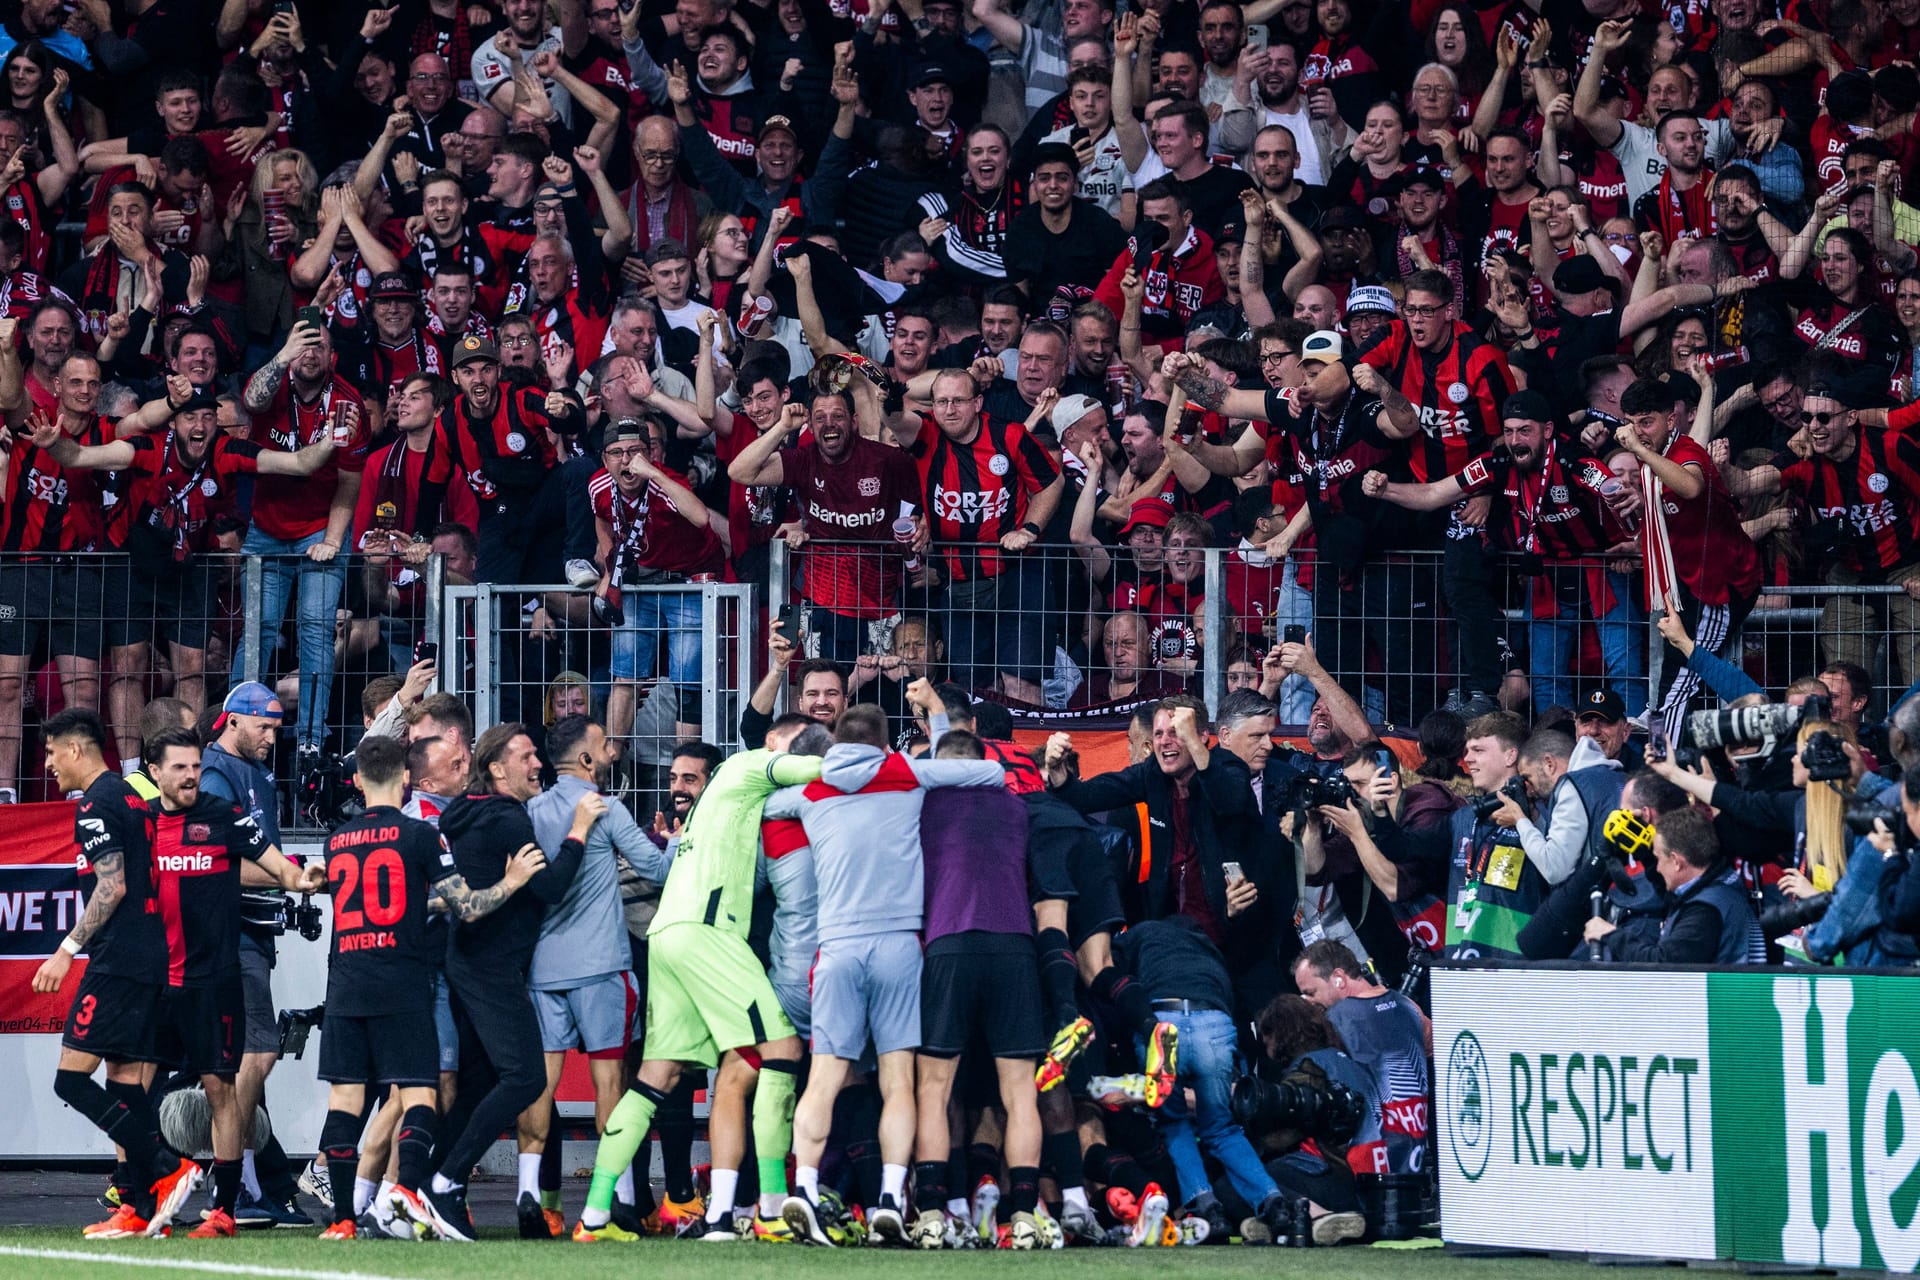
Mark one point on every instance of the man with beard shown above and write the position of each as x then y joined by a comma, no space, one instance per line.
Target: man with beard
396,345
448,242
1746,226
1643,158
1553,502
1493,217
297,398
1060,239
505,58
967,230
1677,204
164,520
470,149
52,328
584,992
1280,173
500,439
759,171
1283,105
1127,678
851,490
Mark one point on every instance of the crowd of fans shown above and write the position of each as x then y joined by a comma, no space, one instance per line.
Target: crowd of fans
1001,324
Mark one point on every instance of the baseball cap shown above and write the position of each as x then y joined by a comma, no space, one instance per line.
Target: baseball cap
1530,405
1371,299
1150,512
1323,345
1604,703
1071,409
200,399
624,429
772,123
1581,274
393,284
251,699
473,347
1345,215
1421,176
930,73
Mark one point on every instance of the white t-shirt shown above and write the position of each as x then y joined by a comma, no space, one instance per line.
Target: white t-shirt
1300,124
1640,158
1106,179
491,70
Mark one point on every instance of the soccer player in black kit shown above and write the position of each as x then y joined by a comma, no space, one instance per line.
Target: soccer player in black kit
117,1004
387,873
203,852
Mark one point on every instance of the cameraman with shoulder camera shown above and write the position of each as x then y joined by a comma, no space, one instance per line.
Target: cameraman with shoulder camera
1574,801
1708,919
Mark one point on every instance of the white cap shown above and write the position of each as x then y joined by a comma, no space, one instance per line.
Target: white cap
1376,298
1071,409
1323,345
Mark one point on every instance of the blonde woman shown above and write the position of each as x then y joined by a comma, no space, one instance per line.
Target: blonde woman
267,223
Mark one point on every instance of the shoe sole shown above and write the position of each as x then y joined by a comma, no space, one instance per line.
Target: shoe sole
1147,1227
446,1229
1162,1063
1333,1228
985,1203
418,1221
801,1220
1060,1056
888,1228
312,1186
533,1223
167,1210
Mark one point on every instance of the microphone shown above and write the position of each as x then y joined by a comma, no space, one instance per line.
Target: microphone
1596,951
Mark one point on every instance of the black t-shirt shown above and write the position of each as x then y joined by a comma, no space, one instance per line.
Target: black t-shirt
1215,197
112,819
196,864
381,867
1174,960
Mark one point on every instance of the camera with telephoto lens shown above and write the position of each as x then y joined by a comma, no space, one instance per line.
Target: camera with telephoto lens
1750,726
306,919
1796,913
1863,817
1332,1113
1825,759
326,794
1321,785
1514,789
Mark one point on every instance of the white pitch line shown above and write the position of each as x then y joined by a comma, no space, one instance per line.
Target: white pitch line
183,1264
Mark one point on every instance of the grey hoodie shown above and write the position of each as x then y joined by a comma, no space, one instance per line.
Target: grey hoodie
863,821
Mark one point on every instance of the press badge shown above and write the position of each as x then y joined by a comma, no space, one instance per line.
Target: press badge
1468,907
1504,864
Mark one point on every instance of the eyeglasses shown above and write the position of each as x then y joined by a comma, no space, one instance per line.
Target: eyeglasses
548,206
518,340
658,157
950,402
1809,419
622,455
1423,310
428,77
1430,90
1274,357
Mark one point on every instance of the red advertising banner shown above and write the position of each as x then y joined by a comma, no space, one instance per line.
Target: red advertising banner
39,901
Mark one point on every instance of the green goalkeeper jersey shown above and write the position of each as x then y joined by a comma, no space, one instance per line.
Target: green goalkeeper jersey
711,881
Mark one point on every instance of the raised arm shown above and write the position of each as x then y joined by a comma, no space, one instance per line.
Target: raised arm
759,462
1414,497
1599,122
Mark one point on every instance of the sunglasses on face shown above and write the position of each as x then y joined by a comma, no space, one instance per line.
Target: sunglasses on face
1808,419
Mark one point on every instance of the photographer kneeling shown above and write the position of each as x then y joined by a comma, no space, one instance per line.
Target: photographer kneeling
1708,920
1313,1114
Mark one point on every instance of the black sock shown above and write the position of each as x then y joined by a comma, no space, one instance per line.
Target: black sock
114,1118
1060,1155
123,1179
930,1185
856,1121
1023,1191
957,1170
1116,1168
274,1171
226,1184
413,1143
1059,971
673,1122
983,1161
748,1190
139,1104
550,1154
1128,996
339,1139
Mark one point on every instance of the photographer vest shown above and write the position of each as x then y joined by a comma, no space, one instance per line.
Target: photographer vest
1599,790
1492,890
1741,940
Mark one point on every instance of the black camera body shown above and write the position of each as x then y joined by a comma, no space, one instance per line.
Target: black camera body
296,1025
1332,1113
1825,759
1751,726
1795,913
306,919
1514,789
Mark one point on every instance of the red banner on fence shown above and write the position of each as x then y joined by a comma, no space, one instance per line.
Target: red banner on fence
39,901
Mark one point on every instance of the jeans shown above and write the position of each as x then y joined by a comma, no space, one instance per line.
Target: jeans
1294,608
319,586
1207,1065
1551,644
1388,608
636,642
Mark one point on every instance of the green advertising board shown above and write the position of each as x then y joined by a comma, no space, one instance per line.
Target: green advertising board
1768,1116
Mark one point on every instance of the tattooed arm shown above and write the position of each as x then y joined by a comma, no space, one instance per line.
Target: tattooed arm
110,869
466,904
1187,373
265,385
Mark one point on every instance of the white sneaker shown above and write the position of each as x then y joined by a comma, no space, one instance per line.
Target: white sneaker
581,575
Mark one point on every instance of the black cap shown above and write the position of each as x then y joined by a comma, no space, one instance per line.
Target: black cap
1530,405
1581,274
1421,176
200,399
624,429
930,73
393,284
1604,703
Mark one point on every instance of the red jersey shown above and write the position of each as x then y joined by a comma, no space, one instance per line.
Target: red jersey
25,207
168,511
51,509
289,508
1557,511
1458,393
1179,282
754,511
414,491
181,237
650,536
507,452
1871,499
1711,552
855,500
1827,143
976,493
196,864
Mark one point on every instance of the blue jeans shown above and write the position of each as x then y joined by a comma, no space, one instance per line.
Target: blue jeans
636,643
1294,608
1551,644
1207,1065
320,586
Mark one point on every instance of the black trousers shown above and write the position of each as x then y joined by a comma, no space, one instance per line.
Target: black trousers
502,1067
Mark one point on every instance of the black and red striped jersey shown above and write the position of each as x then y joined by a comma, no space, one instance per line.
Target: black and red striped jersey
977,492
112,819
168,510
1870,499
24,206
1458,393
51,510
506,235
381,867
196,868
1557,510
507,451
294,507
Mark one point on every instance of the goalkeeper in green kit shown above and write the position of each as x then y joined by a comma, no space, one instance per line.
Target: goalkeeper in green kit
707,992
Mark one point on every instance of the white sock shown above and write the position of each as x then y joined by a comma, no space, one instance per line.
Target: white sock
442,1184
129,766
529,1166
248,1178
623,1189
720,1194
383,1201
769,1206
893,1182
1076,1195
959,1210
807,1178
364,1190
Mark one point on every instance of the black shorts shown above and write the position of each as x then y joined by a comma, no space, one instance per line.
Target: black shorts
387,1048
58,598
983,988
142,606
256,988
113,1017
203,1029
1049,874
1095,906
